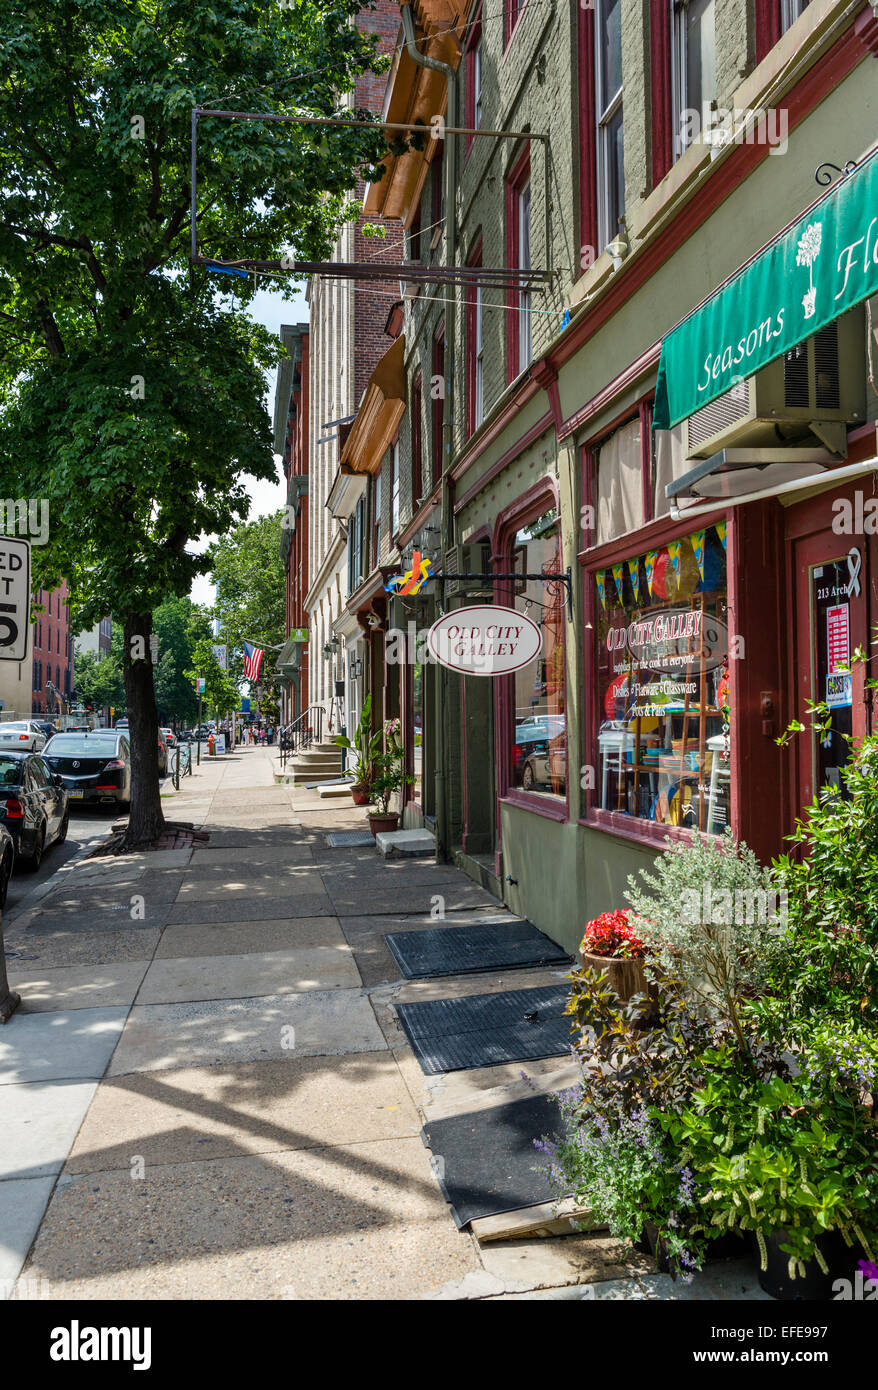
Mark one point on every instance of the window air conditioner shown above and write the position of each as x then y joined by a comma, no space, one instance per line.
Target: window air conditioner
807,397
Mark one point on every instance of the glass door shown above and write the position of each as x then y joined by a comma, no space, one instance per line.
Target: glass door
830,623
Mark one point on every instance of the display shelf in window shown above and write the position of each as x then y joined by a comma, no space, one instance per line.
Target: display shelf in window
662,671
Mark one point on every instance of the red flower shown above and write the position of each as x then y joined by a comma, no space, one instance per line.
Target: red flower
611,935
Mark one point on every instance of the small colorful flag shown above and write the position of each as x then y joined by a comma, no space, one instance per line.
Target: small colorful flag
601,580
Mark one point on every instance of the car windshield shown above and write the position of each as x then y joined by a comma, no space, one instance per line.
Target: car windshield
10,772
16,728
79,745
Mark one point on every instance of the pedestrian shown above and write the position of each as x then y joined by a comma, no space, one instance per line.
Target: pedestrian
262,736
270,735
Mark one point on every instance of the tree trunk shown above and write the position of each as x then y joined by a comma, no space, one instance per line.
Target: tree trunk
146,820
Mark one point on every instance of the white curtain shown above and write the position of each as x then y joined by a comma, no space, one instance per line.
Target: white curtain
619,483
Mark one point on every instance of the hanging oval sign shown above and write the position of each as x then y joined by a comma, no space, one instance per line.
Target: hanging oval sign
485,640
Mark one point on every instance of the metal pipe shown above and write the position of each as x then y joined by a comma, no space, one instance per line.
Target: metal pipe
372,125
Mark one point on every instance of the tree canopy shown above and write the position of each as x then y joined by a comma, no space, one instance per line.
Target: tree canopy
132,383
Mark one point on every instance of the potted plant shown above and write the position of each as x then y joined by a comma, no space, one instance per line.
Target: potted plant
610,945
388,777
365,747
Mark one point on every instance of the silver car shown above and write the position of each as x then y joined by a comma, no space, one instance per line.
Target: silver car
25,735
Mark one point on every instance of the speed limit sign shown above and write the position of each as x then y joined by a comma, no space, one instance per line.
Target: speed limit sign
14,598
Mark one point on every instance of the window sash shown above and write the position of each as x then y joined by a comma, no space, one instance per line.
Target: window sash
525,339
610,133
681,52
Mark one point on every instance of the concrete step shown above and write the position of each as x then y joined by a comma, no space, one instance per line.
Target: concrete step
405,844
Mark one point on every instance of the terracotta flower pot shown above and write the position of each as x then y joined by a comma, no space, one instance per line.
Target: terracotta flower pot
360,793
379,824
626,975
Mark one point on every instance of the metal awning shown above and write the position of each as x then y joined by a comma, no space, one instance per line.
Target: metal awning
347,489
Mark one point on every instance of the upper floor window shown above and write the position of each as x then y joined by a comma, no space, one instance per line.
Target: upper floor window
693,67
610,135
474,77
790,10
475,349
437,398
518,217
417,461
394,488
376,518
437,192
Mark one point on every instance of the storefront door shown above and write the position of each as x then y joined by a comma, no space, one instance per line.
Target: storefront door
830,623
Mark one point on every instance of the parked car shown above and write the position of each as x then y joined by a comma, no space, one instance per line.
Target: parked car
7,862
163,754
170,737
33,805
94,767
23,734
47,727
546,767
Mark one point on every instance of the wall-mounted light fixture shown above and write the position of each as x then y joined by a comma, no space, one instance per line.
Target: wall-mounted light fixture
620,245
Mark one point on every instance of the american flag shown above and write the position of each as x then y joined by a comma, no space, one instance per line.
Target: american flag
252,661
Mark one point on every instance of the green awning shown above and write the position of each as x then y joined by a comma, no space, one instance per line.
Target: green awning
821,266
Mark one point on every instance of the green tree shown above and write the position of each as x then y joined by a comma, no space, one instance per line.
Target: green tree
131,382
221,694
179,624
99,684
248,572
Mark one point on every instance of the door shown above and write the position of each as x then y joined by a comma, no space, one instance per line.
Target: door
830,623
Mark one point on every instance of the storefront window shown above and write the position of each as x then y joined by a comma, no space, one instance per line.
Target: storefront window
663,685
539,754
417,787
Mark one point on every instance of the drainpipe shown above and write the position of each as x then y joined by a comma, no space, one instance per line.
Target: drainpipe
447,538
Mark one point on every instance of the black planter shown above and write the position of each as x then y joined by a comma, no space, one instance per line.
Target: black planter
730,1246
814,1286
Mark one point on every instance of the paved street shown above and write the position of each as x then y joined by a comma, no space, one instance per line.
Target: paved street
206,1091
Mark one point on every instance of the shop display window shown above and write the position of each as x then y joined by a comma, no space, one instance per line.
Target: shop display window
539,733
662,699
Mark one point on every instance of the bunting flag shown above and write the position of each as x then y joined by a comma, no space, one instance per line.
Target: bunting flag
649,565
720,529
708,557
601,581
620,574
684,566
642,582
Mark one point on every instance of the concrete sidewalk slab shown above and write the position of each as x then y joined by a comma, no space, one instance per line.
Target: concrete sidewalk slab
161,887
180,978
257,909
58,950
160,1036
273,840
22,1203
76,986
337,1223
76,1044
104,919
249,856
145,859
394,900
40,1122
271,884
202,1113
243,938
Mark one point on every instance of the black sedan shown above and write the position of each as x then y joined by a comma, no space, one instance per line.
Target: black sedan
33,806
94,767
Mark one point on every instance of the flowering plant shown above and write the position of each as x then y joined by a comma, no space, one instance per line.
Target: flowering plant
610,934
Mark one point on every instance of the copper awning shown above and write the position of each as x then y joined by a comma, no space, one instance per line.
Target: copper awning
381,409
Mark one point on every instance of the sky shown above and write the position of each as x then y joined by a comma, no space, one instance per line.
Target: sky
270,309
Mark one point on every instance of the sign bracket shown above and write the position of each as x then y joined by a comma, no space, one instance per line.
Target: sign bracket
490,578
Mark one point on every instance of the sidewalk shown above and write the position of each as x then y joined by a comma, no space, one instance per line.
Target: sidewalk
207,1093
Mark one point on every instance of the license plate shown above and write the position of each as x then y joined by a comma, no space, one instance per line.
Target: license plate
77,795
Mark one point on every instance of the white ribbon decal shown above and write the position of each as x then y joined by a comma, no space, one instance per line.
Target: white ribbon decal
854,566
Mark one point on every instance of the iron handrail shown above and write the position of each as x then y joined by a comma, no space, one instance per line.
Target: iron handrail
301,732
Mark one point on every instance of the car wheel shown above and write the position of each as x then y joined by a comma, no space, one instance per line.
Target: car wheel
5,874
528,781
34,860
63,828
